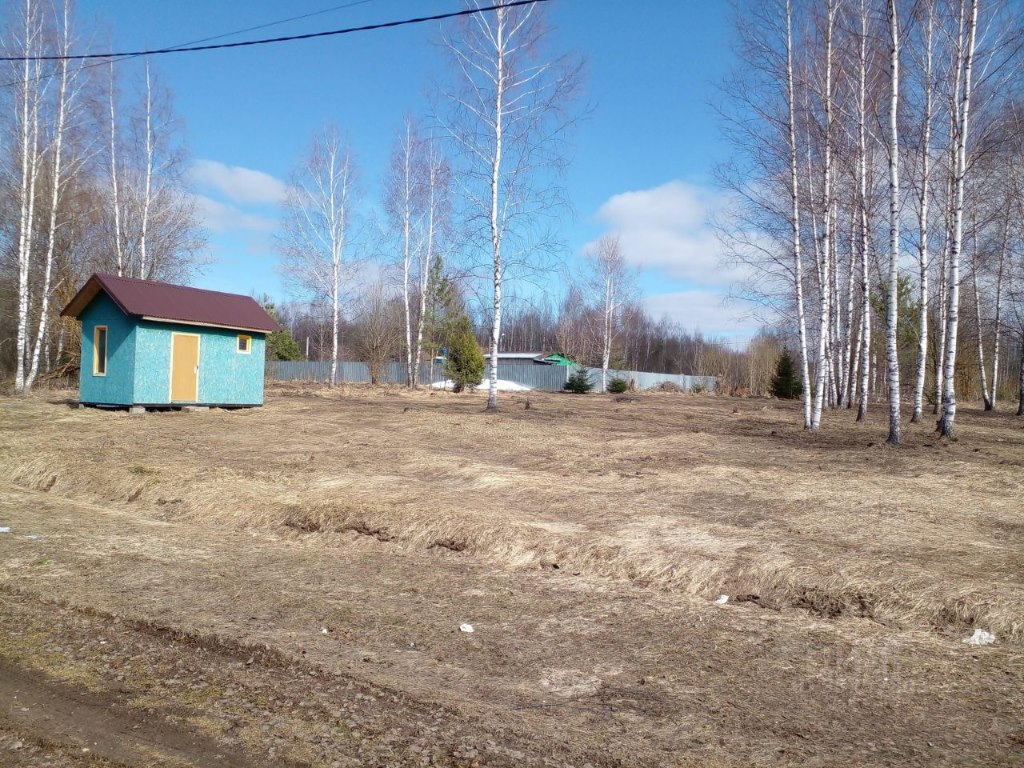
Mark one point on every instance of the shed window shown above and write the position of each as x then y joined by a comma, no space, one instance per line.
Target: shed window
99,350
244,344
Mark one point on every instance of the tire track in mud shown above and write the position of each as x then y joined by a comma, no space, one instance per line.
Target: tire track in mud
143,695
99,724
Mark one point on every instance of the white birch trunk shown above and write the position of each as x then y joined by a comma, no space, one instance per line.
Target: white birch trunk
118,248
148,183
338,213
24,222
606,349
923,222
795,202
406,213
849,356
58,146
855,364
612,271
1020,380
892,359
940,359
947,247
983,379
947,420
822,253
335,316
427,256
29,139
495,220
862,206
998,321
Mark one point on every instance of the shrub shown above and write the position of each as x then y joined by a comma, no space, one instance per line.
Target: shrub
281,345
617,385
579,383
786,384
465,363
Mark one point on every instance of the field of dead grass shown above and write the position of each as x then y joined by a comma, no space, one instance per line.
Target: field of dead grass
691,494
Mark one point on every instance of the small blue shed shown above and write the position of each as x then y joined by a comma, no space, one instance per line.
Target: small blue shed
155,344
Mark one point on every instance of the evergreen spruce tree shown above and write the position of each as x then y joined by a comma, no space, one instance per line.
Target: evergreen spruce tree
579,383
465,362
281,345
786,384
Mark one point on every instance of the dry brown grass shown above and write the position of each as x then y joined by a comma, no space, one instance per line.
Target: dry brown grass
696,494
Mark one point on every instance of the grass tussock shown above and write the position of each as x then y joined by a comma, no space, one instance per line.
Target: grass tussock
703,496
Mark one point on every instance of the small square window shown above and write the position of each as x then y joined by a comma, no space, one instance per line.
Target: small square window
244,344
99,350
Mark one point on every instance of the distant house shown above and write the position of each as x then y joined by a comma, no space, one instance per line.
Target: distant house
156,344
529,358
557,359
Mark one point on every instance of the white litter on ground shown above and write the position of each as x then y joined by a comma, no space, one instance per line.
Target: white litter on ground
324,631
5,529
721,600
980,637
503,386
465,627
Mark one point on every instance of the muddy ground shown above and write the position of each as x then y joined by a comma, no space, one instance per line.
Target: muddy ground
285,586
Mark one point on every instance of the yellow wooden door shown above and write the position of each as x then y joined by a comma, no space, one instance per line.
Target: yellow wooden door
184,367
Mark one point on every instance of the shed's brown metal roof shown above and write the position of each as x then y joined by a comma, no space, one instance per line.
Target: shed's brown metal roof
174,303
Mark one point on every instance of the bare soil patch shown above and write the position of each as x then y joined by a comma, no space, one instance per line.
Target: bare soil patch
583,538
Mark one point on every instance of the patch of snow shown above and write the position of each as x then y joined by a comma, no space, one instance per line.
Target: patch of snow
506,386
980,637
503,386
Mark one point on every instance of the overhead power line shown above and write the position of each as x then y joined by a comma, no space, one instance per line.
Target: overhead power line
284,39
277,22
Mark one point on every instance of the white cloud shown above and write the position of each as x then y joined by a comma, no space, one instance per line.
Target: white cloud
706,311
221,217
238,184
668,228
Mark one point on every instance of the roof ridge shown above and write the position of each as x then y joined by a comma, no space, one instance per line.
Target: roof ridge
157,300
172,285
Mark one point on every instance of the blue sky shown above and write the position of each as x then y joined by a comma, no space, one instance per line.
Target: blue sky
641,164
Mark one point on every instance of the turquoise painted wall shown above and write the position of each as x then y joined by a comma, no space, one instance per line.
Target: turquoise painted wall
115,388
226,376
139,359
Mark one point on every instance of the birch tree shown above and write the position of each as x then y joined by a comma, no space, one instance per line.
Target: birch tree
947,419
418,207
923,199
65,106
402,203
316,227
795,220
27,149
612,284
149,159
892,359
823,252
436,234
508,116
863,213
115,190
